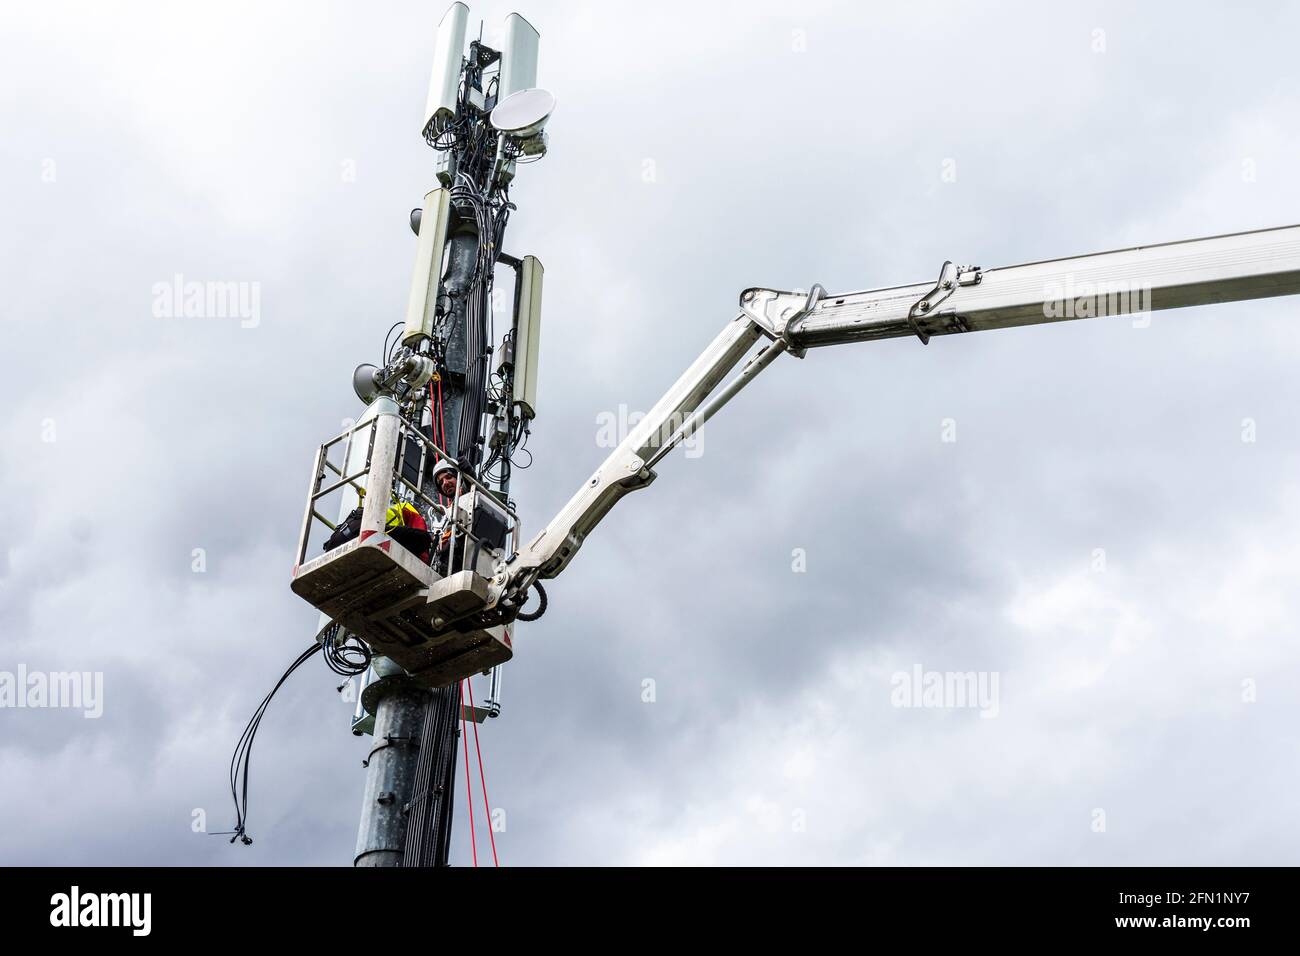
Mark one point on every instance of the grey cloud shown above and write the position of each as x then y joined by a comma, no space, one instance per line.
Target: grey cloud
210,144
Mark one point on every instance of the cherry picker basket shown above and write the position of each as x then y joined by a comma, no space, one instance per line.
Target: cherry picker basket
436,626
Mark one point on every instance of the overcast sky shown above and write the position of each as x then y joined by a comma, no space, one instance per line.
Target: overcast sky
1101,537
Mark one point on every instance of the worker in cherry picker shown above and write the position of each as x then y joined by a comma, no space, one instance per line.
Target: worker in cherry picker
445,480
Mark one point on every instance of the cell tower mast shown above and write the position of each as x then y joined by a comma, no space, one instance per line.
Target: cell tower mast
484,117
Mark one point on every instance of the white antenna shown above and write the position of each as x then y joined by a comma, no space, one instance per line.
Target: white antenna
518,57
444,83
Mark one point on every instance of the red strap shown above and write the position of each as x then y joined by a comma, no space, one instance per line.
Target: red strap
487,810
469,793
442,420
438,425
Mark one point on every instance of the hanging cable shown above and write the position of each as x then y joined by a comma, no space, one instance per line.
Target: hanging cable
239,763
387,353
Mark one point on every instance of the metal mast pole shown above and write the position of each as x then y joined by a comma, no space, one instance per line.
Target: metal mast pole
410,784
391,774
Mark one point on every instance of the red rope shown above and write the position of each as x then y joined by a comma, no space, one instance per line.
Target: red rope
469,793
487,810
438,426
442,421
433,412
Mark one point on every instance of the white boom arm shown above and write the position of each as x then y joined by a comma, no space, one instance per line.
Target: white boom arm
1248,265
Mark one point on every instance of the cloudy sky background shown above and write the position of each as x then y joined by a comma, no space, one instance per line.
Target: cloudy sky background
789,144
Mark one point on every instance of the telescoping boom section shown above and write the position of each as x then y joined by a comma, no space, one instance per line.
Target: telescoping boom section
1249,265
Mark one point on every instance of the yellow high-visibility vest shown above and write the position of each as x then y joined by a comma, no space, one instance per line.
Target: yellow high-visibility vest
399,515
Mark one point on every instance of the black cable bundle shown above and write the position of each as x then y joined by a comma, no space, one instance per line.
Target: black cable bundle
428,821
541,606
345,653
244,749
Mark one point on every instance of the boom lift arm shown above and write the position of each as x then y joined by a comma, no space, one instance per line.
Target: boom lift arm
1240,266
